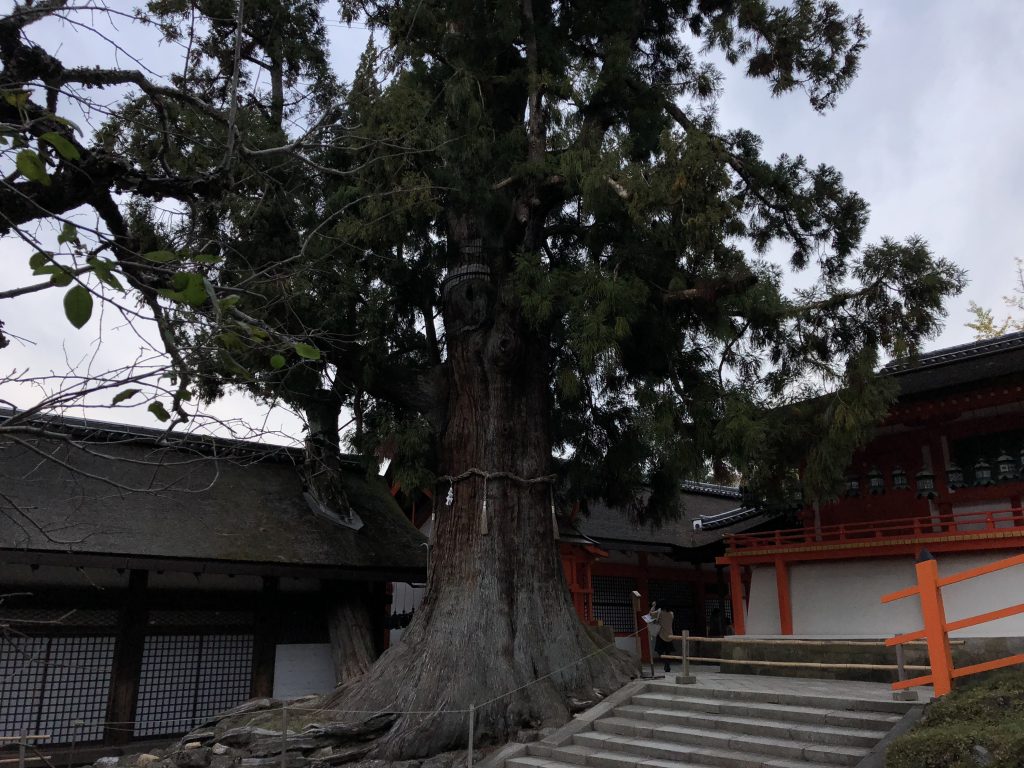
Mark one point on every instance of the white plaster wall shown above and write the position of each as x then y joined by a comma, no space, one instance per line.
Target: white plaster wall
843,599
303,668
985,593
763,608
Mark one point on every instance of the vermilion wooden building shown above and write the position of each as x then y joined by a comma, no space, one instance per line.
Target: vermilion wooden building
606,555
945,472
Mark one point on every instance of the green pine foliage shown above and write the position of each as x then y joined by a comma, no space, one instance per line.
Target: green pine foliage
647,246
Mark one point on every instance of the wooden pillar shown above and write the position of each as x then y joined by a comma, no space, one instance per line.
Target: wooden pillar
934,615
643,587
127,666
264,652
785,605
739,622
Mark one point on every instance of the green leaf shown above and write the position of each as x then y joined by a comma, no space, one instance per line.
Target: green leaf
187,287
167,293
229,301
66,149
207,258
78,306
39,259
158,410
184,395
160,257
68,234
307,351
230,340
124,394
61,278
195,290
277,362
31,167
70,124
16,98
105,272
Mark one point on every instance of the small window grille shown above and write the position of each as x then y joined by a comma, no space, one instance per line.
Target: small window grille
55,685
187,678
613,603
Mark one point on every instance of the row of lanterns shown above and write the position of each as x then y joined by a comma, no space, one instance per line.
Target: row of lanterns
1005,469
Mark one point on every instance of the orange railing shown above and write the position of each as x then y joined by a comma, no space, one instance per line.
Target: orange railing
936,628
918,527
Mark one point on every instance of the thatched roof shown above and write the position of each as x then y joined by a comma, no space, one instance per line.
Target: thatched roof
117,495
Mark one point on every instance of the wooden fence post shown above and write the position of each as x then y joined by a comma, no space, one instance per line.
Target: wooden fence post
935,626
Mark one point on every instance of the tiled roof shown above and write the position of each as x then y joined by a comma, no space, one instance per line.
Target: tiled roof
961,352
965,365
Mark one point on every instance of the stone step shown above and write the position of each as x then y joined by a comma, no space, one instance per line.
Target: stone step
607,751
575,755
698,702
816,732
761,745
796,699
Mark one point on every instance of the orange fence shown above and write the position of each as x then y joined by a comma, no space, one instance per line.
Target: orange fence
936,628
917,527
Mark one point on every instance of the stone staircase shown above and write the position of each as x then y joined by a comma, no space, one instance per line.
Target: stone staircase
663,725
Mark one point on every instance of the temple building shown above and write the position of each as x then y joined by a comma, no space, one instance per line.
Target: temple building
149,580
944,473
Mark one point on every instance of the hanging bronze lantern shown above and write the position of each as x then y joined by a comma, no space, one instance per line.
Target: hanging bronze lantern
982,473
925,484
954,476
876,482
1005,468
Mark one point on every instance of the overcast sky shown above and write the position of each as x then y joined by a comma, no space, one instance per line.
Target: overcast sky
929,134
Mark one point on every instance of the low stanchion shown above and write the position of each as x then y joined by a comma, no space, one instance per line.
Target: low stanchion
901,674
685,678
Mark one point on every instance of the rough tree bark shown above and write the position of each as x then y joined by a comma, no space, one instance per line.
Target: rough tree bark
351,632
322,470
497,628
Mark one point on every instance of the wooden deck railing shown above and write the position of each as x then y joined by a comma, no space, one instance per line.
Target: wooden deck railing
937,628
923,528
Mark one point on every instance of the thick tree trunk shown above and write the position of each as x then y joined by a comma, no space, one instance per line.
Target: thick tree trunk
351,632
497,628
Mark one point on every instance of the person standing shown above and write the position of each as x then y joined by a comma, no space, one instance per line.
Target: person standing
662,642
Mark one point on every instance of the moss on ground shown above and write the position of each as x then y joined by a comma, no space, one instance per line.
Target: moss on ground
989,713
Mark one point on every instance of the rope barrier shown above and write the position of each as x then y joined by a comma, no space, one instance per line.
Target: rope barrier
477,472
782,641
811,664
